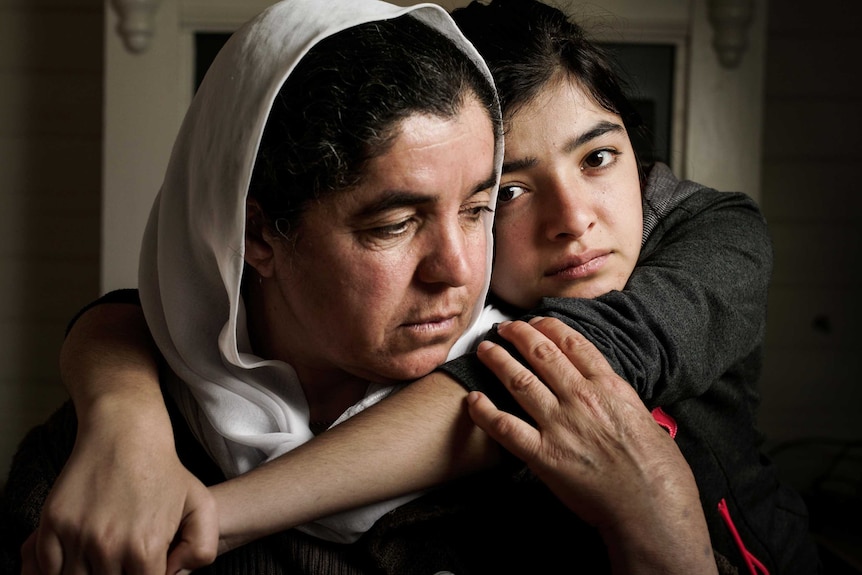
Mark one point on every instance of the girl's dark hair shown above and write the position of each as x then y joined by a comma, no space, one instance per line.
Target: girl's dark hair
342,106
527,43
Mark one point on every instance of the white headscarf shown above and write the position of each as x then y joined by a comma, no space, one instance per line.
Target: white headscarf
245,409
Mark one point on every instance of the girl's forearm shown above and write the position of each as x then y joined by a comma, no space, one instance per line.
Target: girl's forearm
109,365
420,437
416,439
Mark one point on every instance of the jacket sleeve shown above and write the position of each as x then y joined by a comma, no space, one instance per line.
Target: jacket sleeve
694,306
129,296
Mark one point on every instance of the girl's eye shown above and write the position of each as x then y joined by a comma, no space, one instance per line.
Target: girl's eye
509,193
599,159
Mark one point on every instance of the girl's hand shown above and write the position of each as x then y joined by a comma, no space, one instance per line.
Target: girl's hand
121,504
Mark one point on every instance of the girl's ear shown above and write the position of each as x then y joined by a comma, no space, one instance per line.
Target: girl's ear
259,252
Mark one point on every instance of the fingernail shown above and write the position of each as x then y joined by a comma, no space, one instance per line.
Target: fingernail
485,344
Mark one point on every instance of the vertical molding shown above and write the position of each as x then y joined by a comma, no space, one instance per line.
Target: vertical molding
725,109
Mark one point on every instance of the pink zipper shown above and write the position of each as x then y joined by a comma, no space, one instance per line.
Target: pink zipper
665,421
754,566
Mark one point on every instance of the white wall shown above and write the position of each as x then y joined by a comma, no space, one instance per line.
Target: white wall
50,185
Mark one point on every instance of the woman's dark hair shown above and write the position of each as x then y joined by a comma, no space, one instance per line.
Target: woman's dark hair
342,106
527,43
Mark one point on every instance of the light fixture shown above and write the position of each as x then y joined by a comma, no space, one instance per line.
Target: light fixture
135,24
730,20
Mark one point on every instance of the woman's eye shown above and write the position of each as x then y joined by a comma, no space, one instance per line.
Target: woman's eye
509,193
599,159
391,230
477,211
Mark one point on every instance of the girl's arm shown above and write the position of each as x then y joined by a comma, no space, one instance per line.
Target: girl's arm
125,460
694,306
701,295
123,491
418,438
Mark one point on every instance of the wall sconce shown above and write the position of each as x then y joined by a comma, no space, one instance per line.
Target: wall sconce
730,20
136,22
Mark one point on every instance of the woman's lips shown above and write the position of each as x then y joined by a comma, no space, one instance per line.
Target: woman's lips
437,323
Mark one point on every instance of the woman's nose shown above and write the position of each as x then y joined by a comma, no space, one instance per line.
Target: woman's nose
447,260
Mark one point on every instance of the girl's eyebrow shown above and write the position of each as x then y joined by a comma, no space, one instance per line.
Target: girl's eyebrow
600,129
519,164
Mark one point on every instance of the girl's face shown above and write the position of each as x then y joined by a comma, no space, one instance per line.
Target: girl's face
569,217
383,279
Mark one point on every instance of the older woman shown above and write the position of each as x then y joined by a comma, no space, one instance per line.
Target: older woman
323,231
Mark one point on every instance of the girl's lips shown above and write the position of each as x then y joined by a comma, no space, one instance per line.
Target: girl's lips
580,267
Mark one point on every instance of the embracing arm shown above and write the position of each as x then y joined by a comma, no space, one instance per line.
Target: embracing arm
380,453
702,295
694,306
123,460
125,447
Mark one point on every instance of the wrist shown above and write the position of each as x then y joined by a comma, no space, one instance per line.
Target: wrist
139,416
664,533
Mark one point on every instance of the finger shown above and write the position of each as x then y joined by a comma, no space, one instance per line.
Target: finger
551,365
533,395
29,565
47,552
141,560
179,557
580,351
77,563
513,433
197,545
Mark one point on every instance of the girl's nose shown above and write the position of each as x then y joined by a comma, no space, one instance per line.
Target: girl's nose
569,210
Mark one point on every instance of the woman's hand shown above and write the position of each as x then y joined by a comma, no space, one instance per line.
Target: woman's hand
597,448
122,502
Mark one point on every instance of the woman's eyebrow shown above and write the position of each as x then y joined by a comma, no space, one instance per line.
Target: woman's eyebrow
488,182
391,200
394,199
600,129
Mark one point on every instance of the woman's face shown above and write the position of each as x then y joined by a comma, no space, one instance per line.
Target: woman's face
569,217
383,278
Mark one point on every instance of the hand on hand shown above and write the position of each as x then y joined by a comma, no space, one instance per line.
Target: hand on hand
597,447
122,503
